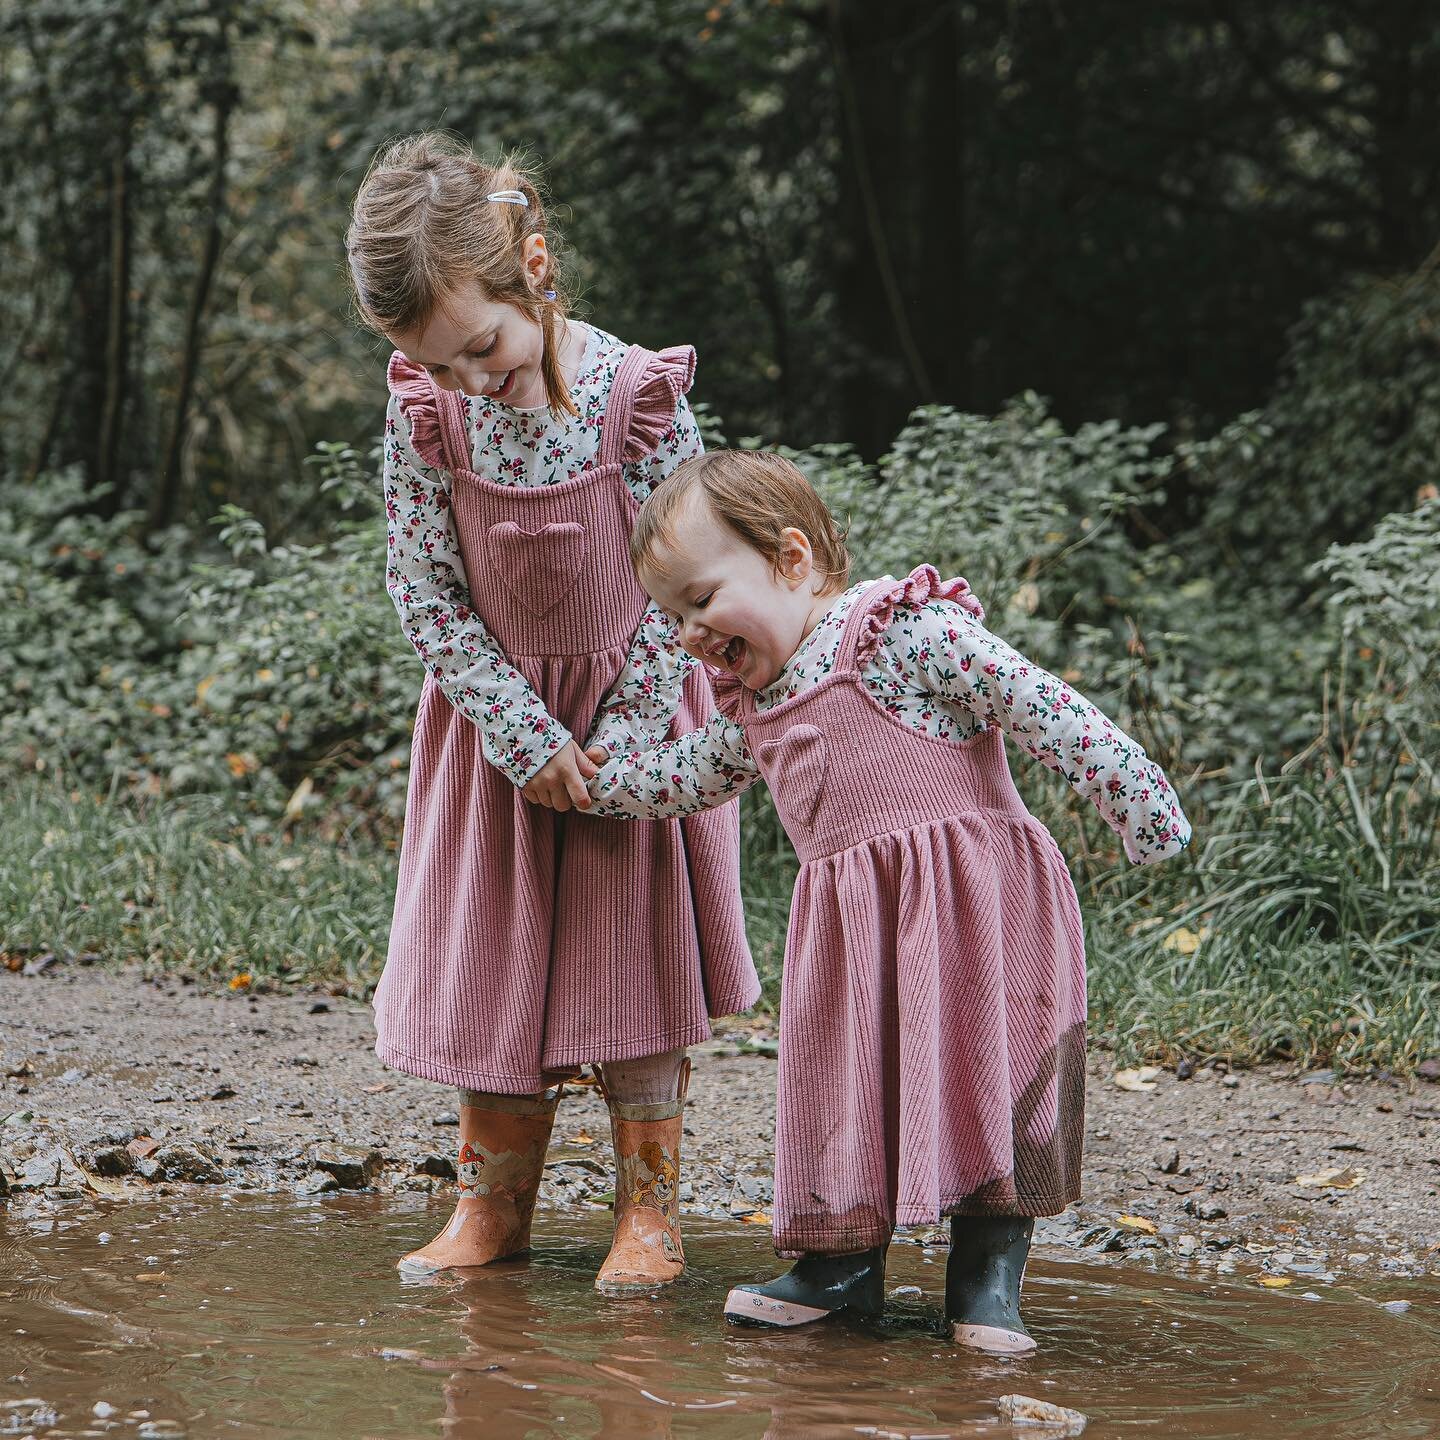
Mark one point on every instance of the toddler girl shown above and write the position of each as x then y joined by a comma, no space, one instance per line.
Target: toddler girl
527,938
932,1040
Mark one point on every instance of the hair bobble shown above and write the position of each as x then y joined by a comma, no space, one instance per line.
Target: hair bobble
509,197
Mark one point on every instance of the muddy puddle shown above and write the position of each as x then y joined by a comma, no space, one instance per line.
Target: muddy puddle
243,1316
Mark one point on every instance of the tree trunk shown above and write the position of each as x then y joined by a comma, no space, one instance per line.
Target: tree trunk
117,339
162,509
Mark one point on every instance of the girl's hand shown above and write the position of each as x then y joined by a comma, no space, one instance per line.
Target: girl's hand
598,755
561,783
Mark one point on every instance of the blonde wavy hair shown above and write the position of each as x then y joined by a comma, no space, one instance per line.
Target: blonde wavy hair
758,494
422,228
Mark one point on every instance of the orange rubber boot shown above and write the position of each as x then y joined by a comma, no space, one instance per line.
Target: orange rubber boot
502,1157
646,1250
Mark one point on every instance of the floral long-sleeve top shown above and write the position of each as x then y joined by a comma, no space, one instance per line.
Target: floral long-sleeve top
425,573
937,669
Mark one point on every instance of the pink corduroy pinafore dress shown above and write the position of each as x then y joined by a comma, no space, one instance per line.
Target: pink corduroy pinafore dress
932,1014
527,942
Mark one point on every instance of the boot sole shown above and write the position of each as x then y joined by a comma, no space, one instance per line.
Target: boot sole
745,1307
619,1289
992,1340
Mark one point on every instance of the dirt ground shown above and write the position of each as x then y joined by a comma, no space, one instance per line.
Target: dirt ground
117,1084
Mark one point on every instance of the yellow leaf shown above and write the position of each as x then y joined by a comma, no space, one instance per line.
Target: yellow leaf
1137,1222
265,676
299,799
756,1217
1142,1079
1185,941
1335,1179
202,689
240,981
582,1137
240,764
1276,1282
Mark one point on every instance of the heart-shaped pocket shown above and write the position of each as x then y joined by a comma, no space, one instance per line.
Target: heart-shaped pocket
540,567
794,768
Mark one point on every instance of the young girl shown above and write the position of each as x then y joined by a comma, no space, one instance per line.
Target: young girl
932,1045
528,939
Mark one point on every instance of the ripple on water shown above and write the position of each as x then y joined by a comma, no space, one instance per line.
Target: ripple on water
265,1316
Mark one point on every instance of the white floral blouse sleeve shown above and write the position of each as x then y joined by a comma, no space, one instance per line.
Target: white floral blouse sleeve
646,694
425,577
698,771
949,652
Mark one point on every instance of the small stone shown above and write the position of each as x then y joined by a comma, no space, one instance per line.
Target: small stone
1184,1069
142,1147
317,1182
1186,1245
1395,1307
446,1117
319,1007
1205,1209
1230,1082
41,964
1426,1069
1025,1410
1170,1163
907,1292
72,1075
223,1092
180,1160
353,1166
112,1160
441,1165
104,1409
305,1061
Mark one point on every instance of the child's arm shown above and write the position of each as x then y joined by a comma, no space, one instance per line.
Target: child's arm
952,654
698,771
646,694
425,576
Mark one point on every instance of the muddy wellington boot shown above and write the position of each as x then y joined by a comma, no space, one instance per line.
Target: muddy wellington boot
814,1288
982,1282
502,1157
646,1251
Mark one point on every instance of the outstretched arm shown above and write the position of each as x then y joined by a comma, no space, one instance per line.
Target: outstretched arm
948,651
699,771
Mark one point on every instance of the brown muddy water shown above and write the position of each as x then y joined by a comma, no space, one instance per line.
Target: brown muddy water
244,1316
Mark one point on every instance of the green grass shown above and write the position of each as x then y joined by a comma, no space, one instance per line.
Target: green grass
1317,912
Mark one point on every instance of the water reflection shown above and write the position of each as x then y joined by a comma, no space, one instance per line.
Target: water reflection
273,1317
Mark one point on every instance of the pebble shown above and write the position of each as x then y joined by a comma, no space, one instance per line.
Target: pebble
1024,1410
907,1292
446,1117
1395,1307
104,1409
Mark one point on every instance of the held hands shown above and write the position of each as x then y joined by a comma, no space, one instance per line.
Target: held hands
560,785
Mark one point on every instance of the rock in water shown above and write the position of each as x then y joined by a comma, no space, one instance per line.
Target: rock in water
1053,1419
353,1166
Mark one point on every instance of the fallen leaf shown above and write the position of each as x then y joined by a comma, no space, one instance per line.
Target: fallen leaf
1336,1179
202,687
1142,1079
142,1147
1185,941
377,1089
582,1137
1137,1222
299,799
756,1217
240,981
1276,1282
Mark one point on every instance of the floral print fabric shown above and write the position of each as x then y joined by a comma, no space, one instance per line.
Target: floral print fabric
425,573
938,670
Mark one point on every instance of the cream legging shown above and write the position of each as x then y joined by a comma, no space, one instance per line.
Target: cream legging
649,1080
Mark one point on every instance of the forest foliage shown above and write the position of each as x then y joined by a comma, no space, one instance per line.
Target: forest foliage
1134,320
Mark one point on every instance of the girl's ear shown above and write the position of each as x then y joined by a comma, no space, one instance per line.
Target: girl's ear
536,258
797,560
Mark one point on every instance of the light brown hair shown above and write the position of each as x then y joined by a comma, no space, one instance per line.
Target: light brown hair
422,228
758,494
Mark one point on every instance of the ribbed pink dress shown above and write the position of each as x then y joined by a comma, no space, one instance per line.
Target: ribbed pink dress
526,941
932,1015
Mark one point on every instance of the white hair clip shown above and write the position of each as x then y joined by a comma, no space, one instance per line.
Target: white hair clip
509,197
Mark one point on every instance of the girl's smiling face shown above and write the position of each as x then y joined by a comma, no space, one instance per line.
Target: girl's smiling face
481,347
737,612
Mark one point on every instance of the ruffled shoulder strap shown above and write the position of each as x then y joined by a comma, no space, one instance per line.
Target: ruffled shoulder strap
643,397
873,612
430,422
